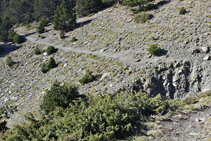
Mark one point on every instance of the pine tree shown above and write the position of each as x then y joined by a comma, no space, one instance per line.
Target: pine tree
51,63
5,26
64,18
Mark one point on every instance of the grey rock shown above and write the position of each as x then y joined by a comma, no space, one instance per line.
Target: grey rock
204,49
206,58
104,76
195,134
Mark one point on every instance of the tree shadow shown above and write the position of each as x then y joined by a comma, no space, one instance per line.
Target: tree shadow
162,52
29,34
81,24
161,3
6,48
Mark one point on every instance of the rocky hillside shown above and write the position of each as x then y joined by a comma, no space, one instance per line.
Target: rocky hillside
116,49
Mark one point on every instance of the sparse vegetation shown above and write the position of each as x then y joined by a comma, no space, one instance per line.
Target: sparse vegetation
41,36
154,49
88,77
9,61
141,17
73,39
182,11
37,51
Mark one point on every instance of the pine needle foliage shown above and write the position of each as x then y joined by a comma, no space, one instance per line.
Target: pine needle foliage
102,117
64,18
58,96
88,77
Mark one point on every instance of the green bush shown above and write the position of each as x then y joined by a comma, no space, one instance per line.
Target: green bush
44,21
50,50
58,96
40,29
88,77
101,117
51,63
182,11
14,37
37,51
154,50
9,61
62,35
44,68
18,39
73,39
41,36
11,36
141,17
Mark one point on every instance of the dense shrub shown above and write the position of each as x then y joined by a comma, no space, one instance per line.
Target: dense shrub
50,50
9,61
11,36
44,68
154,50
51,63
102,117
14,37
42,23
88,77
73,39
37,51
40,28
18,39
182,11
62,35
58,96
141,17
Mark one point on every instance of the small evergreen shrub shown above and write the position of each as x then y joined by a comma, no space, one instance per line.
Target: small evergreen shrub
18,39
58,96
73,39
37,51
141,17
62,35
9,61
40,29
154,50
182,11
11,36
51,63
41,36
88,77
44,68
44,21
50,50
14,37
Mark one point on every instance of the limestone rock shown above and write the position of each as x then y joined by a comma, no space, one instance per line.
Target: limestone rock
206,58
204,49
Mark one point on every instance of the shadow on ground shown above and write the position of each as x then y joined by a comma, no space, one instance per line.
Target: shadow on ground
7,48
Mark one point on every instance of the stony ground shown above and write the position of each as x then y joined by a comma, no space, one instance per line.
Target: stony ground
116,49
